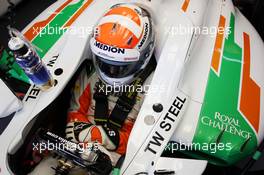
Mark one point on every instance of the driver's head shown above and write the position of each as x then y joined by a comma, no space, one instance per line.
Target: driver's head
122,43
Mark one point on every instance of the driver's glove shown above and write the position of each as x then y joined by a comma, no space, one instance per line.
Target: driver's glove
81,132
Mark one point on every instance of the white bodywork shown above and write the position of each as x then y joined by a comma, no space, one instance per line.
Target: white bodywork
178,54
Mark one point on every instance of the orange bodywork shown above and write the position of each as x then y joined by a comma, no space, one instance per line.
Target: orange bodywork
185,5
218,46
250,92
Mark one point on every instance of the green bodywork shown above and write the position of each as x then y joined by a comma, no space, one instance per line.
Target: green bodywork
220,122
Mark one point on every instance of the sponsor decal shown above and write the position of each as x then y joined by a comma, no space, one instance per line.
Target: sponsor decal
52,62
230,124
33,94
146,31
80,126
166,124
108,48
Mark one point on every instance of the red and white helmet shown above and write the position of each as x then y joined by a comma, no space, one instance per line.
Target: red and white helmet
122,43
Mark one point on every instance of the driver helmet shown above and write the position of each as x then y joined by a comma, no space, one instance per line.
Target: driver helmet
122,43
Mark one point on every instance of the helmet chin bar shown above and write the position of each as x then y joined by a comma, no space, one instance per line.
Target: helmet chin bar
115,82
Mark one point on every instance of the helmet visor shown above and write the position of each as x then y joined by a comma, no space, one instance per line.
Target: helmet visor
114,69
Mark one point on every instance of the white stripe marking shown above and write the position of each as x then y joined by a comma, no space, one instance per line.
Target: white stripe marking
124,21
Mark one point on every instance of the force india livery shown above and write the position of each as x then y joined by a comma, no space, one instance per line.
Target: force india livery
209,74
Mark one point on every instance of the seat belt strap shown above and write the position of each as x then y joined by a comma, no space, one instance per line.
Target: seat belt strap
127,100
120,112
101,107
